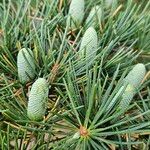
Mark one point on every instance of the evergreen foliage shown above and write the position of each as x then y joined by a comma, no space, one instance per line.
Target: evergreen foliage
67,83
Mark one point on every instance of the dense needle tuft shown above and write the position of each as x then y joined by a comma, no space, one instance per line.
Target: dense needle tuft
37,99
71,89
26,65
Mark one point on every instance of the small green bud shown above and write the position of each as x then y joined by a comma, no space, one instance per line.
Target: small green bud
26,65
37,100
136,75
133,81
89,44
76,12
108,3
95,17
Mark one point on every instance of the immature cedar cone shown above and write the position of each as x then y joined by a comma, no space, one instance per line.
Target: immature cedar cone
108,3
95,16
76,12
89,44
133,81
37,100
26,65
